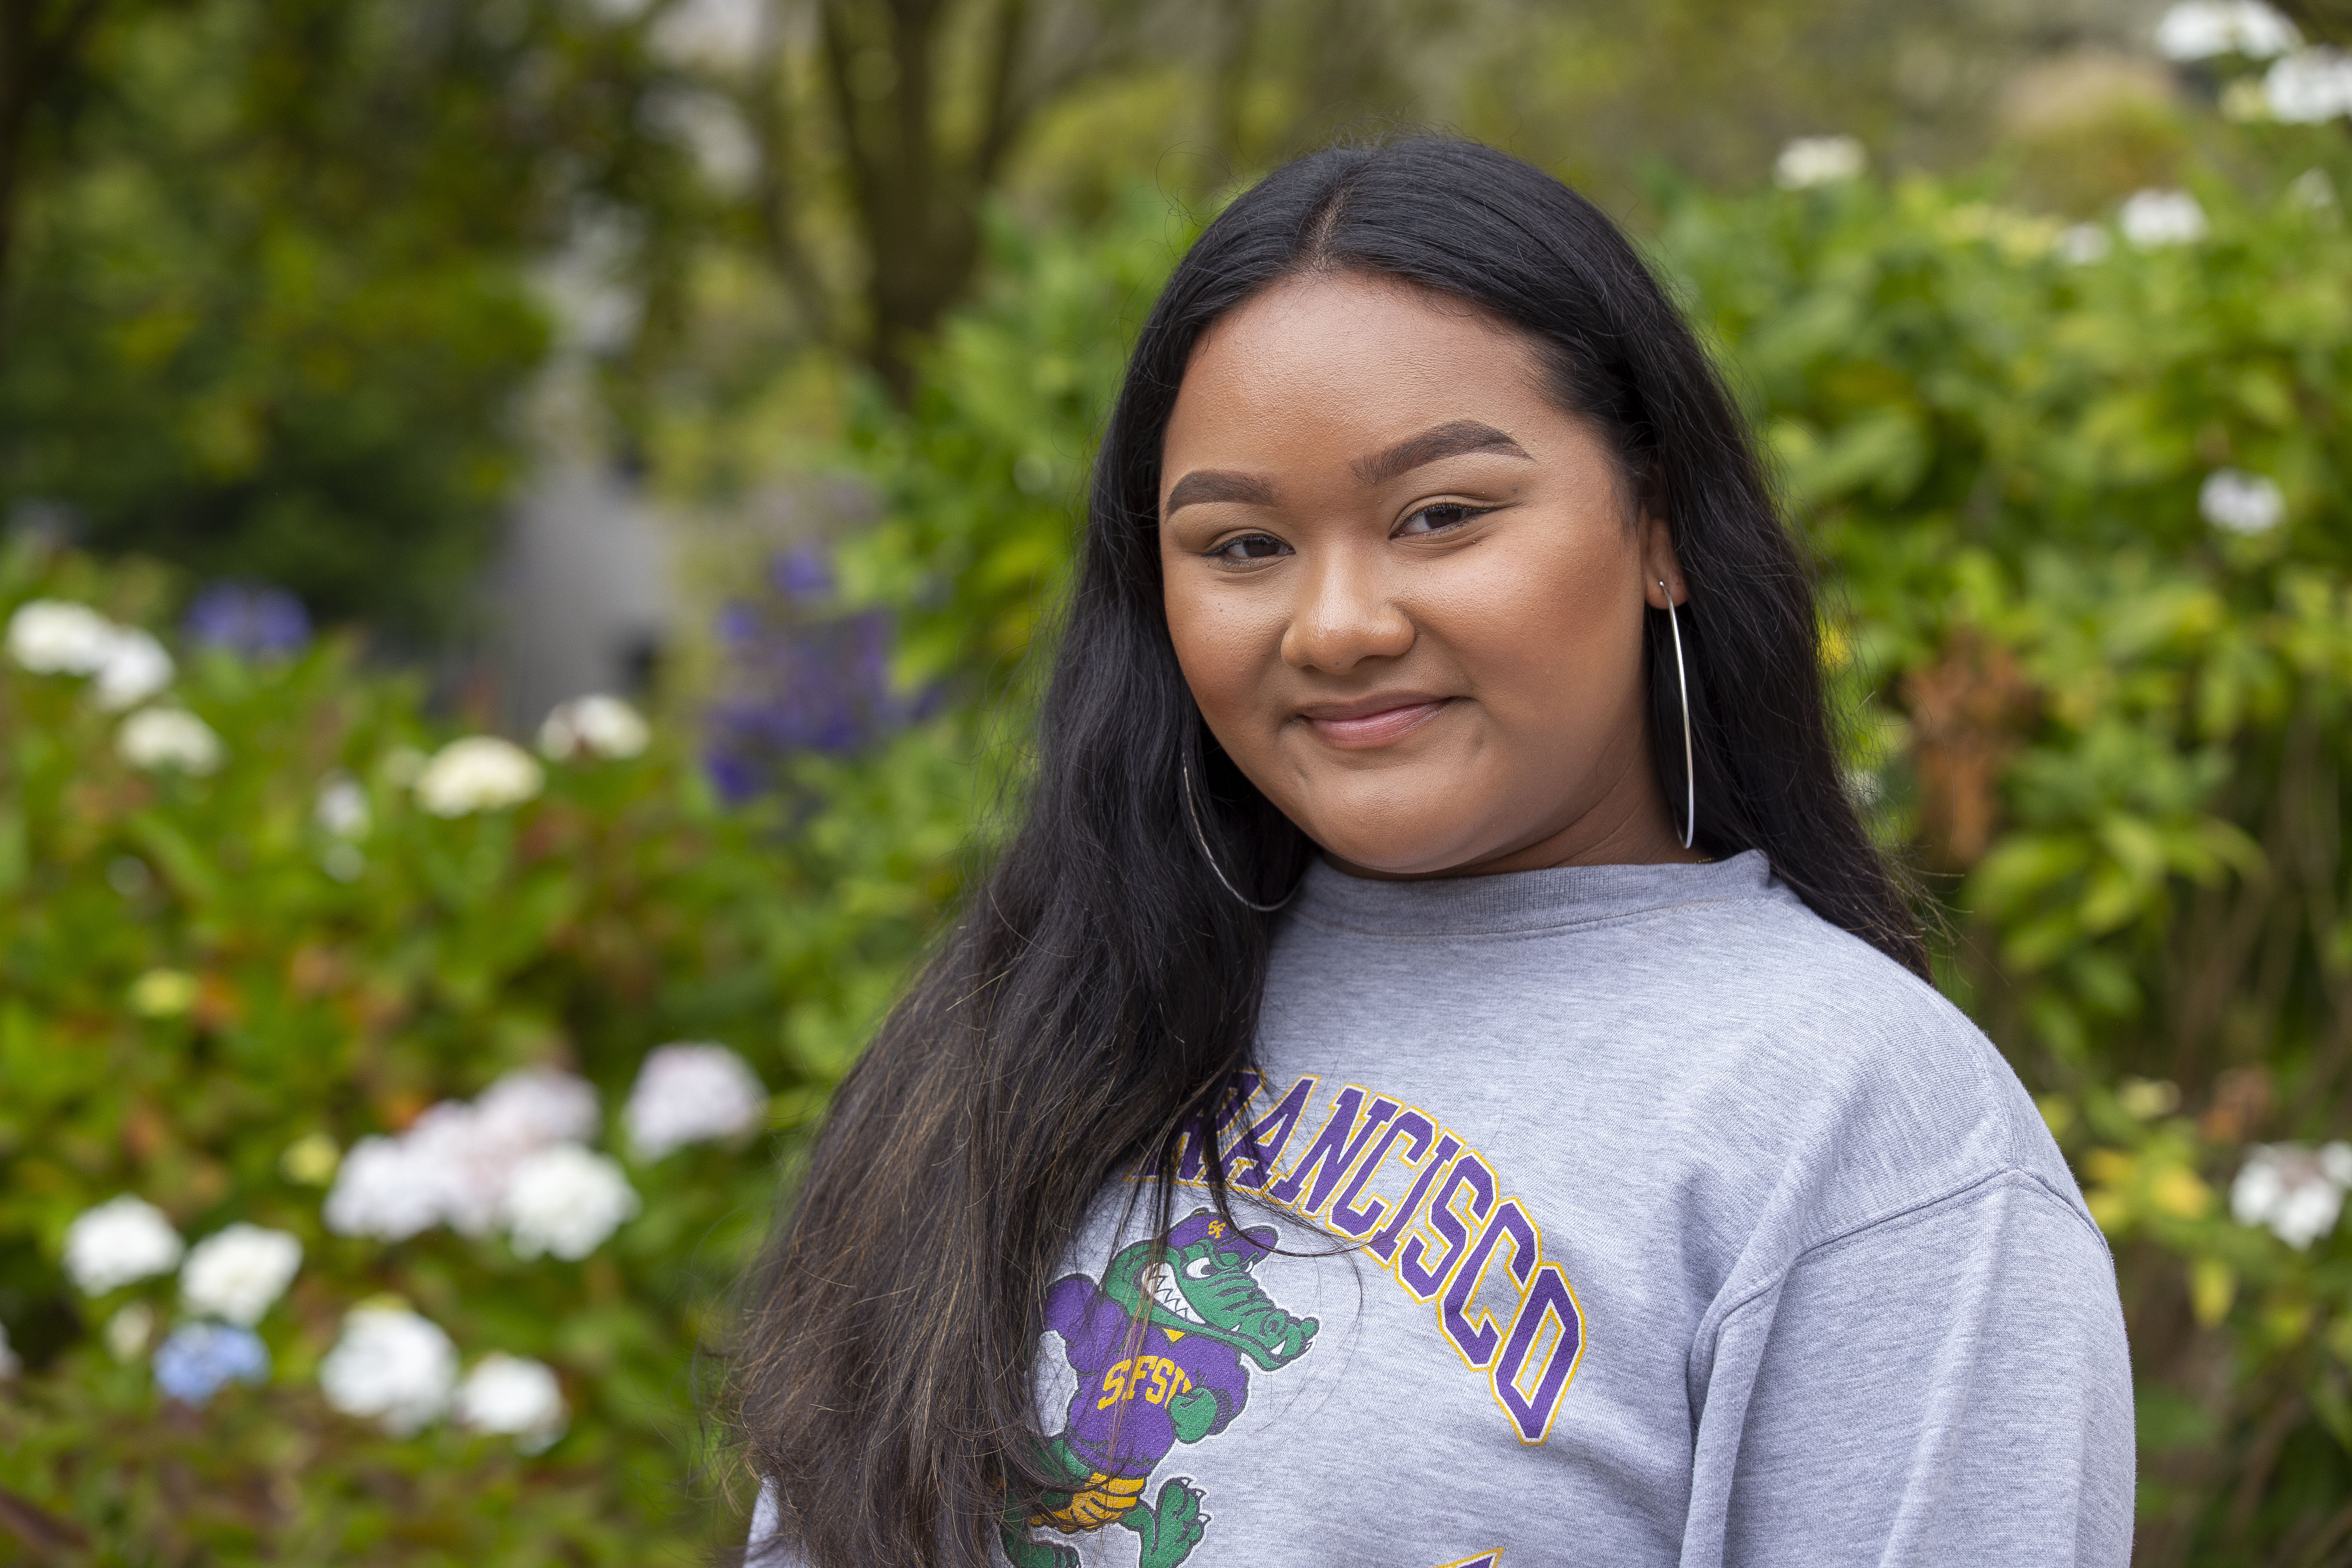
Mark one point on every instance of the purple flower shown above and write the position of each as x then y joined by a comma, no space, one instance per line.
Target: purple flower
194,1363
797,685
739,624
802,575
255,621
735,777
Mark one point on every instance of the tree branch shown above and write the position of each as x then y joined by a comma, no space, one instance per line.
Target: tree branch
838,53
1008,111
765,102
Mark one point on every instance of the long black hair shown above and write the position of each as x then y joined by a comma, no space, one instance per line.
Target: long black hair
1100,990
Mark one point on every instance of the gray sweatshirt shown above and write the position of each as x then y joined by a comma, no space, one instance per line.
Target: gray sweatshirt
1612,1217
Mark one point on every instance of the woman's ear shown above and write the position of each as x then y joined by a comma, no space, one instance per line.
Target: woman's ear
1659,563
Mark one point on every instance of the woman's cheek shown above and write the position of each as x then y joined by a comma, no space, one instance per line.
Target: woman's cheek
1228,681
1544,634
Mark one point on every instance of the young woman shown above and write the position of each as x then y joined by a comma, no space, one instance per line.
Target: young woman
1441,1076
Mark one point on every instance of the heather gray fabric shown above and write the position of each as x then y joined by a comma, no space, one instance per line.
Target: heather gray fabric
1612,1217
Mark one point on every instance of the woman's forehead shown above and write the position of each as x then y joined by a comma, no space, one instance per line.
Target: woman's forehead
1342,368
1333,320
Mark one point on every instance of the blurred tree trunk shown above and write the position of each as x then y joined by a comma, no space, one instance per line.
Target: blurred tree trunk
917,200
918,105
916,194
41,41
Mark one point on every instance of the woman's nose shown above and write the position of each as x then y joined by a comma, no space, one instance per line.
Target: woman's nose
1345,614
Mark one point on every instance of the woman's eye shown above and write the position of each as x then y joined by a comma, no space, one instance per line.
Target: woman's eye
1439,518
1251,547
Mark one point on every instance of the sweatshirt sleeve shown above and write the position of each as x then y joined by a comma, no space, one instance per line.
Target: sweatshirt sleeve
1946,1386
762,1550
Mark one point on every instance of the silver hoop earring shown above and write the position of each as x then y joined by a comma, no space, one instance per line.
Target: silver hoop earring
1192,814
1682,686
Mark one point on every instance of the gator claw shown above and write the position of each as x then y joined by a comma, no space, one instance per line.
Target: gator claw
1172,1529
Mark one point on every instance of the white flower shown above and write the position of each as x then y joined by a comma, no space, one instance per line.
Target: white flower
598,724
2296,1191
532,1107
2312,190
2199,29
458,1167
237,1273
158,738
134,669
468,1154
514,1395
455,1163
442,1171
438,1171
390,1366
342,807
55,636
691,1092
566,1200
471,1151
480,772
131,1331
2239,502
2083,244
121,1240
379,1191
2154,218
1818,161
9,1365
2310,86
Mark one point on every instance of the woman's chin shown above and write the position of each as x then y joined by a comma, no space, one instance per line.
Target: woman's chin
1437,855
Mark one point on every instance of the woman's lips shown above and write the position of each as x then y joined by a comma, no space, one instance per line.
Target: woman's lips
1357,731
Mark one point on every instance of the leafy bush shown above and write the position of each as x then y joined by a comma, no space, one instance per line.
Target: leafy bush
2087,502
223,971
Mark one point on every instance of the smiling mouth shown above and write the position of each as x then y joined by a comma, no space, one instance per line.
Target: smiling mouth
1163,1289
1357,731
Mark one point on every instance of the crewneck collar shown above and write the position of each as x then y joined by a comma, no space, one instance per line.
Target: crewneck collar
1525,901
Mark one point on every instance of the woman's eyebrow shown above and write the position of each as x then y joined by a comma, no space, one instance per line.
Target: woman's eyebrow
1448,440
1215,484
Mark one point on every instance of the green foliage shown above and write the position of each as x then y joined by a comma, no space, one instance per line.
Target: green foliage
201,975
2107,728
981,488
270,311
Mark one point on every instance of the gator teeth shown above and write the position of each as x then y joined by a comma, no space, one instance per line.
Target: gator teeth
1164,1290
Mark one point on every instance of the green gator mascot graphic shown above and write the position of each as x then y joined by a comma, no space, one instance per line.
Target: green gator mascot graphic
1159,1350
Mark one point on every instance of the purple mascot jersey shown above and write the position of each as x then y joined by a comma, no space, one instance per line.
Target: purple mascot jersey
1163,1351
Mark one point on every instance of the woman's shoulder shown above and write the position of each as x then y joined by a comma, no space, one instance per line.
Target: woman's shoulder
1697,1014
1874,1092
